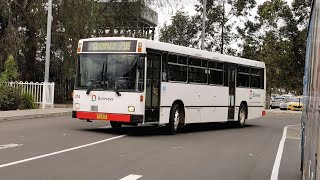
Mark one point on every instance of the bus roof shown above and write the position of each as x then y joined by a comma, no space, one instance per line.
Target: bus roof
186,51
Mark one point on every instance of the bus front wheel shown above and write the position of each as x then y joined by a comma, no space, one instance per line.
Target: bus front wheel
174,120
115,125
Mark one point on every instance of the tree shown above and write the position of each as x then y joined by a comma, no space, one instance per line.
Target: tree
182,31
279,40
220,23
250,40
11,70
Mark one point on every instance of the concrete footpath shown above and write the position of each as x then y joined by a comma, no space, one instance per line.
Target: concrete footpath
33,113
278,111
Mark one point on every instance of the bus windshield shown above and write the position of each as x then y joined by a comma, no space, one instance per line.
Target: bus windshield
123,72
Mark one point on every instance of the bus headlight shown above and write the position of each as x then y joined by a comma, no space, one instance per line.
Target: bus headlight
77,105
131,108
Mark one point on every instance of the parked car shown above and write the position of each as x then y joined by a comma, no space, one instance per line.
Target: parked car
275,102
295,104
283,105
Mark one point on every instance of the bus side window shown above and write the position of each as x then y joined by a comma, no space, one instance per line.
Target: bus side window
255,78
177,66
196,71
215,72
243,76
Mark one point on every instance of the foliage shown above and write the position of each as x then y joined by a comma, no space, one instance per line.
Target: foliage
222,17
284,54
9,98
11,70
27,102
182,31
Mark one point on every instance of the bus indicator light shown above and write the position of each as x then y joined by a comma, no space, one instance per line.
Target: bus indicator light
140,47
141,98
79,47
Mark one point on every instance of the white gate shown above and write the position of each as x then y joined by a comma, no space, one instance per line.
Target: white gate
43,93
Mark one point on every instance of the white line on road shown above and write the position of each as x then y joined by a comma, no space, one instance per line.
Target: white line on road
131,177
59,152
276,165
6,146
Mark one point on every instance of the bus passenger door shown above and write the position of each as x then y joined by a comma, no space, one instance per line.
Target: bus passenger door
153,87
232,92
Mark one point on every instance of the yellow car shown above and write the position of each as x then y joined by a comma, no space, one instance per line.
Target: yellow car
295,104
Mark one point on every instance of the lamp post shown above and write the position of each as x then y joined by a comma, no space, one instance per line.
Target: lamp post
45,93
203,23
48,42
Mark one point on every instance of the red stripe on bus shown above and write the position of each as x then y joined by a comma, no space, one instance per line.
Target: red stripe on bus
109,117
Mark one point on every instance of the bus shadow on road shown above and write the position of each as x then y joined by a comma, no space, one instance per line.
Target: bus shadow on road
158,131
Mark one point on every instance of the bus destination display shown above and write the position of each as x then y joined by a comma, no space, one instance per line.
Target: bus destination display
109,46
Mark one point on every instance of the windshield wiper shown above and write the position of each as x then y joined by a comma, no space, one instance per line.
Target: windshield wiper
115,87
90,88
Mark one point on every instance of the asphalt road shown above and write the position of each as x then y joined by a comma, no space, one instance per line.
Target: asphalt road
59,148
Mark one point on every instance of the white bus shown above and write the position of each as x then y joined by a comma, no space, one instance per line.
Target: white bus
128,81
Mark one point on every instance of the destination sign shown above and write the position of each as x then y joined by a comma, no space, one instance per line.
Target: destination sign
109,46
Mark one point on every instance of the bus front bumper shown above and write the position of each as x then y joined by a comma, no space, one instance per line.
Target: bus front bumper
127,118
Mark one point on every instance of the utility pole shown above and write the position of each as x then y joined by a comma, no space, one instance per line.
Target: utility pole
45,94
203,23
48,43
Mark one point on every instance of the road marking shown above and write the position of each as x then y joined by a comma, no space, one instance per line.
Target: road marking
131,177
6,146
276,165
59,152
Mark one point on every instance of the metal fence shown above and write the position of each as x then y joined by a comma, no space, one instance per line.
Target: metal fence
43,93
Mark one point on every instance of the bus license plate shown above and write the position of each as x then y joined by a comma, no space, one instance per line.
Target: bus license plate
102,116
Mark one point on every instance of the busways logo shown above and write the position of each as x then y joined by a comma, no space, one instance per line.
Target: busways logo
253,94
94,98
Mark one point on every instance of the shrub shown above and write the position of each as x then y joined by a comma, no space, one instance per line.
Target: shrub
11,70
9,98
27,102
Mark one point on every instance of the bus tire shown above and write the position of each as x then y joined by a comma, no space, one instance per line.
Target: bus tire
242,116
174,120
115,125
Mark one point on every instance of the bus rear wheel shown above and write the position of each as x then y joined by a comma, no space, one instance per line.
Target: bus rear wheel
115,125
242,116
174,120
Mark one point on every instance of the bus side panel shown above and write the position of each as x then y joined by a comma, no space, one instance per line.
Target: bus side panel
219,114
202,103
164,115
255,99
